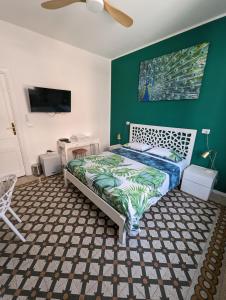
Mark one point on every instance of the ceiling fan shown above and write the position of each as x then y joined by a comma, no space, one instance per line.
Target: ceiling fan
95,6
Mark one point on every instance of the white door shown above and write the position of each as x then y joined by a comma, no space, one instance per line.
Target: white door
10,154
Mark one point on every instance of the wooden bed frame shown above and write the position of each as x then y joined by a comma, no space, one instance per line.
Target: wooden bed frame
179,139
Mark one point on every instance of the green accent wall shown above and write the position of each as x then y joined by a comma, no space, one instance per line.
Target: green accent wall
209,111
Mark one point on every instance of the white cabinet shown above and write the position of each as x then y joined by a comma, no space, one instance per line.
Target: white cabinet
198,181
113,147
51,163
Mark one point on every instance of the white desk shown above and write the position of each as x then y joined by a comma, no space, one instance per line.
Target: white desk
63,148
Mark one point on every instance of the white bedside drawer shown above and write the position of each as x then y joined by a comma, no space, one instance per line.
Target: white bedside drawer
197,174
198,181
113,147
195,189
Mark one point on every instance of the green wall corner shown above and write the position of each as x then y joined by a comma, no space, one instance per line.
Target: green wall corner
209,111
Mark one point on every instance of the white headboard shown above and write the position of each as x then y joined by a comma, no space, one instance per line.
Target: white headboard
178,139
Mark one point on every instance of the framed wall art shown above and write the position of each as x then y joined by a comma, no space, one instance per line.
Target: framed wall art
174,76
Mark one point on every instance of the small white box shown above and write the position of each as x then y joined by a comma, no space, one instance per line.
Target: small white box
198,181
51,163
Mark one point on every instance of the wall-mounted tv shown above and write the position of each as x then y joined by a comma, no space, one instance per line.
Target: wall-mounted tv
49,100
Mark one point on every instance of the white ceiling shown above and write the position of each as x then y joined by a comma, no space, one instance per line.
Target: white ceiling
98,33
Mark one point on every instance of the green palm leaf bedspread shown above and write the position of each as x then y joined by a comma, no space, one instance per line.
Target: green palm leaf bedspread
128,186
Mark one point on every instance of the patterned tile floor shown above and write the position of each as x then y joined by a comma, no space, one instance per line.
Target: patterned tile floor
72,250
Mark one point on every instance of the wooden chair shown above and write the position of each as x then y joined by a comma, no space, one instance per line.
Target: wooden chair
79,153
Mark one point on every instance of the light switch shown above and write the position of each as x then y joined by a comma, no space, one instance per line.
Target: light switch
205,131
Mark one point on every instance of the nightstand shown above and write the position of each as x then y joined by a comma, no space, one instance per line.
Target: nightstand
113,147
198,181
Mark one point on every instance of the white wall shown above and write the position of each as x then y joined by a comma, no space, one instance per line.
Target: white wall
36,60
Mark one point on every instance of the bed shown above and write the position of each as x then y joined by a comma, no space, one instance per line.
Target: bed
124,183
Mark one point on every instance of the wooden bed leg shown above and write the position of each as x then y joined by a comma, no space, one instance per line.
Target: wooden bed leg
65,179
122,235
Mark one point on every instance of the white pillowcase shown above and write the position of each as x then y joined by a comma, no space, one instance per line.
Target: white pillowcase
138,146
166,153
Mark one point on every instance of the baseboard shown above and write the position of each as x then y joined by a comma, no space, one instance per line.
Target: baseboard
219,193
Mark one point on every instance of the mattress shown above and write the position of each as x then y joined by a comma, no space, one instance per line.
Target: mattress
129,181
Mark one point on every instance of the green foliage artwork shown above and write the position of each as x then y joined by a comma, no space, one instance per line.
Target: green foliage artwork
175,76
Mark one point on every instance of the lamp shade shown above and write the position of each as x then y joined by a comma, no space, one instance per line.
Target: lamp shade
206,154
118,136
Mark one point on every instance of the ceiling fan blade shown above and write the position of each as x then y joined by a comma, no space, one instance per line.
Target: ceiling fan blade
55,4
118,15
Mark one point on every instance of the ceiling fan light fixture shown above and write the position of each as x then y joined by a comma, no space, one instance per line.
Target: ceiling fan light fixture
95,5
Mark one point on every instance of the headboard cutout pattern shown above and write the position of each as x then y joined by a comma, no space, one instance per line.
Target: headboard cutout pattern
178,139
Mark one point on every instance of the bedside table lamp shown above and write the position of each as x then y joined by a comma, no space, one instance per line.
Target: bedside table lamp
118,137
212,156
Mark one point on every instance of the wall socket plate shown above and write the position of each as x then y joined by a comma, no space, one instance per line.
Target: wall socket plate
205,131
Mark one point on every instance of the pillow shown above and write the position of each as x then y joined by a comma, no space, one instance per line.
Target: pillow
166,153
138,146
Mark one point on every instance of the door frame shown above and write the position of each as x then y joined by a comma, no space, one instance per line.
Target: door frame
9,87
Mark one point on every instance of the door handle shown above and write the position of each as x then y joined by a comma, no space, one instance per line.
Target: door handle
13,128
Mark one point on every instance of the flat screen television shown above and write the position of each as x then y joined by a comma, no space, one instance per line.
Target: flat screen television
49,100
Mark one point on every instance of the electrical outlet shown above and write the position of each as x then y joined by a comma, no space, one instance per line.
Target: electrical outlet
205,131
